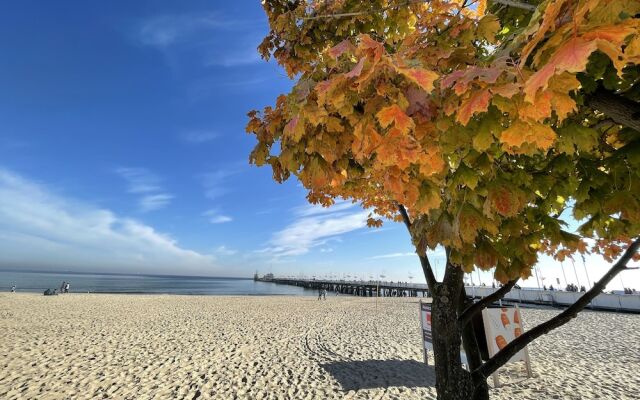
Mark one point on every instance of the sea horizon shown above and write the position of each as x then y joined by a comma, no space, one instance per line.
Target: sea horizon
33,281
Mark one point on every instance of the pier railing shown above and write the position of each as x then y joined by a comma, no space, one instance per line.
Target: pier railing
370,288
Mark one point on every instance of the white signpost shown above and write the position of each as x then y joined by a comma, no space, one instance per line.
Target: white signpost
501,326
425,324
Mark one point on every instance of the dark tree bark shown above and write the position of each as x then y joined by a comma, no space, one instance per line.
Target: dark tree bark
620,109
424,260
486,301
471,348
452,381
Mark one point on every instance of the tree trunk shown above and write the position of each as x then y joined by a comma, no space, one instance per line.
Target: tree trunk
452,381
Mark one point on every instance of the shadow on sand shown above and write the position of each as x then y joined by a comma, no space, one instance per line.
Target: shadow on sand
370,374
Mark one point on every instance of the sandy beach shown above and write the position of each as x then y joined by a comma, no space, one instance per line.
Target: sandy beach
149,346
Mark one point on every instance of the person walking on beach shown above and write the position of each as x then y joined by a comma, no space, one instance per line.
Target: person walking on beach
64,284
319,293
66,287
13,288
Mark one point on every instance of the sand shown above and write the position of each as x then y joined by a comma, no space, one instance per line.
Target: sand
141,347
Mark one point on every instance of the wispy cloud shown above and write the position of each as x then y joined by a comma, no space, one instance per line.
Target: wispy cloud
315,227
153,202
214,216
393,255
148,185
39,228
167,30
198,137
215,182
225,251
244,54
216,39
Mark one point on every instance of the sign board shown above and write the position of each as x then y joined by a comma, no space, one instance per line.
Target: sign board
502,325
427,338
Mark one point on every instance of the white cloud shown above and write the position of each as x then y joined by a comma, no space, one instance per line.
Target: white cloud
41,229
167,30
215,217
315,226
244,56
224,251
214,182
393,255
216,39
309,209
143,182
154,201
198,137
140,180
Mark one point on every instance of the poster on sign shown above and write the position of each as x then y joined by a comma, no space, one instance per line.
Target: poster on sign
501,326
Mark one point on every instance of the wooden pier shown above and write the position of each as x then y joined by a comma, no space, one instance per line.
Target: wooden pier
355,288
554,298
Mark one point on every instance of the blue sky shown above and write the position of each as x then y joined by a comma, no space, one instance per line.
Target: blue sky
122,148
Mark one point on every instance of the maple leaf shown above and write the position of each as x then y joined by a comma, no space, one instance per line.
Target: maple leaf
507,91
571,56
422,77
394,114
615,33
294,129
341,48
488,26
520,132
477,102
371,47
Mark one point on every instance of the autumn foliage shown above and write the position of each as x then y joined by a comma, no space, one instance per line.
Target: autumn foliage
475,116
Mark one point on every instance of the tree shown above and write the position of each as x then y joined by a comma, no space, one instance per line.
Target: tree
478,124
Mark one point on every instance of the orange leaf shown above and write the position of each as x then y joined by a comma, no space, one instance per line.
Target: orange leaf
507,91
505,200
563,105
370,46
422,77
613,33
572,56
395,114
341,48
477,102
540,109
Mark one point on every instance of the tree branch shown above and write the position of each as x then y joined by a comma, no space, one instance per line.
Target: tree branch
620,109
509,3
515,4
481,304
424,260
567,315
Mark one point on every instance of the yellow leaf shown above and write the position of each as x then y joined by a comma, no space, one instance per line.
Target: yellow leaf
394,114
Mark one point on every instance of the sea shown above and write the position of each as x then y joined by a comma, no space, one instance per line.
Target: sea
38,282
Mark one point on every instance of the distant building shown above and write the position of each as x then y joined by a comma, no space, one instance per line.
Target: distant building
268,277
